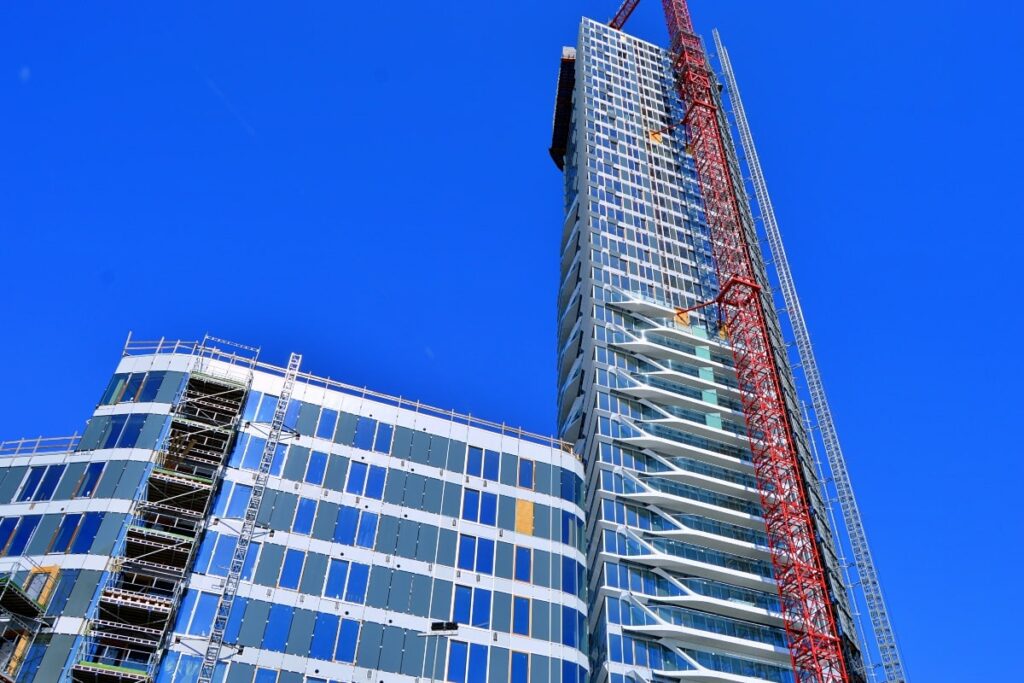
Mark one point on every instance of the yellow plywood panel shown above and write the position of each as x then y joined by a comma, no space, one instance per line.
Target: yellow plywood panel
524,517
44,589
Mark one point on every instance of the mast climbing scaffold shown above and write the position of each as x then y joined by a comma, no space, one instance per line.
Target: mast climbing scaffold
804,598
227,598
881,625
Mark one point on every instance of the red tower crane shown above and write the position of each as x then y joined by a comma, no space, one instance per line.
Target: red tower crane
813,638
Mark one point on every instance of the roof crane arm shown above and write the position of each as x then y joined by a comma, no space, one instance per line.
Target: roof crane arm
620,18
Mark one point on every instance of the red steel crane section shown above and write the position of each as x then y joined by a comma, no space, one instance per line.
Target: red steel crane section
620,18
813,637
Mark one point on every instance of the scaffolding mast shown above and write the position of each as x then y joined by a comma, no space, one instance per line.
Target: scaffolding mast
868,575
227,598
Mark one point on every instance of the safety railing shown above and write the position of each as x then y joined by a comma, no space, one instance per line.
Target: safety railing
40,445
207,349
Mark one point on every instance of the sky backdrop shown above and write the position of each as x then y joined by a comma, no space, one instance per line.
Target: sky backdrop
368,184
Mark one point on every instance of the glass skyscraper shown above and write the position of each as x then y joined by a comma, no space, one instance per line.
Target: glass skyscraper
395,542
680,574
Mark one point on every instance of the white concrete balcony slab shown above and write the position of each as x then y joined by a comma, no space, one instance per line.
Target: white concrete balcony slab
686,636
726,608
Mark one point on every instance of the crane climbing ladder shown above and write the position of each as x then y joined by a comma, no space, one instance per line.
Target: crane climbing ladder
227,598
881,625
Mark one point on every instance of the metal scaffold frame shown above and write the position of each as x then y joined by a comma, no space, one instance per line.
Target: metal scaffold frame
136,608
881,624
806,605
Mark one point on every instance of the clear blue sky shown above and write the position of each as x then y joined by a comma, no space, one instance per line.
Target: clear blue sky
368,184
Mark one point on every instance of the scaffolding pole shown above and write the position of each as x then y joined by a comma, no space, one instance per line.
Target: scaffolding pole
881,624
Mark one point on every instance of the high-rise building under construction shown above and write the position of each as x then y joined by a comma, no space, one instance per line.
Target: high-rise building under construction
711,551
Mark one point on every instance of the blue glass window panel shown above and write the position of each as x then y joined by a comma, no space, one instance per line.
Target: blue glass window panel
489,508
291,570
116,425
28,489
278,461
356,589
317,467
291,415
356,478
615,648
279,622
457,662
65,533
220,503
481,609
235,459
491,465
325,633
203,617
375,482
265,676
49,483
567,485
613,611
131,388
336,574
151,387
521,616
367,530
520,667
467,551
166,667
253,453
225,550
470,505
477,662
347,639
328,420
235,619
252,402
569,635
461,604
132,429
267,407
522,564
365,429
304,513
569,575
90,479
382,444
86,533
250,561
485,556
345,529
526,473
185,611
6,529
474,463
239,501
205,551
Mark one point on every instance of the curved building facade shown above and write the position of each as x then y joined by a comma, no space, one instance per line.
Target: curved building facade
681,584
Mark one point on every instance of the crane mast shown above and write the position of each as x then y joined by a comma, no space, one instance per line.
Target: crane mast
866,572
804,598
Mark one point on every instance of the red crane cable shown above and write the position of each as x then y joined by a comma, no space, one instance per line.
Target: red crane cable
813,638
